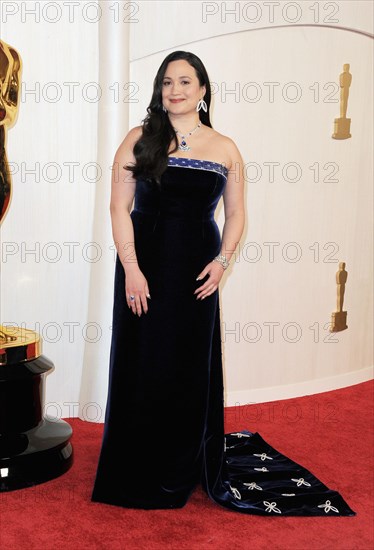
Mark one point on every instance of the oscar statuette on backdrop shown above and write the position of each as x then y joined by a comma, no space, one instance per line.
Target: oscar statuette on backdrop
339,317
33,448
342,125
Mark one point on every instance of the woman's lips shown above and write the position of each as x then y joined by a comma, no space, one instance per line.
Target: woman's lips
176,100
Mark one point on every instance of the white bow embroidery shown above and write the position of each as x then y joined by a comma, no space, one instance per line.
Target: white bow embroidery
263,456
235,492
271,507
327,506
300,482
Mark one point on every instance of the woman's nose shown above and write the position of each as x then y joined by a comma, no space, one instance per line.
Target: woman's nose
175,88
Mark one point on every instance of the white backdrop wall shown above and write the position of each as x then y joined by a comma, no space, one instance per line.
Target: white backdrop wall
309,197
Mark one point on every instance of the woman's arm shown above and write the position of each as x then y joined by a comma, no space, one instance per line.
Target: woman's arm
122,196
233,199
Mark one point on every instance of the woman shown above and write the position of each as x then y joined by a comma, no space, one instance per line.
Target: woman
164,429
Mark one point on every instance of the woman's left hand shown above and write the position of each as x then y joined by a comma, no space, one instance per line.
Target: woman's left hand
215,271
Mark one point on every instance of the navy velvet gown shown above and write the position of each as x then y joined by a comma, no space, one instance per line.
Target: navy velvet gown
164,430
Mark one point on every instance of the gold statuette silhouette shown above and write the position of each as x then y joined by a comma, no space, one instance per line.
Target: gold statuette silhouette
33,447
10,72
339,317
342,125
21,343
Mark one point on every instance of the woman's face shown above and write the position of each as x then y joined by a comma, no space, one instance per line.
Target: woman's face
181,90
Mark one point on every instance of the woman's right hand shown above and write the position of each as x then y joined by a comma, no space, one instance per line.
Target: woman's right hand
137,286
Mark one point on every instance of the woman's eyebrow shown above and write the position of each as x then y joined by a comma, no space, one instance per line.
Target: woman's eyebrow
178,77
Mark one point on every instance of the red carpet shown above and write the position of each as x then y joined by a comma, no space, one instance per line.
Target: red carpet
331,434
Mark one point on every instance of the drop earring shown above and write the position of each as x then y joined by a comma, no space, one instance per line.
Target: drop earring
202,105
165,110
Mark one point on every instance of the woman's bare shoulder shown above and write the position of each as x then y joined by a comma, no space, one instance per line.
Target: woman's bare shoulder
228,147
129,140
134,134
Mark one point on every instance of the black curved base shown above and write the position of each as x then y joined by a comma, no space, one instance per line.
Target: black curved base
33,448
35,456
40,454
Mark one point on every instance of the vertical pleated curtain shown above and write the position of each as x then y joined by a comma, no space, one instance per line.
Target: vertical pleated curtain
112,126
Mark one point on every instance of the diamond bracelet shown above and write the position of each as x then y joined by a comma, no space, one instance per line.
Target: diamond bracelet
222,260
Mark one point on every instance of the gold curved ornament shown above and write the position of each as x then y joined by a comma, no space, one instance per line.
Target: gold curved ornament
19,344
342,125
10,77
15,344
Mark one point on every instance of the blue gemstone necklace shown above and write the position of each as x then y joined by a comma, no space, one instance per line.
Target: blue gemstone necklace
183,144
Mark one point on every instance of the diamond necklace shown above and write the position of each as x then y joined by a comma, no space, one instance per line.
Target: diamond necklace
183,145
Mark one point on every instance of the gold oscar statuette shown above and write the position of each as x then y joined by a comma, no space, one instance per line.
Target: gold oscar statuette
14,342
34,448
339,317
342,125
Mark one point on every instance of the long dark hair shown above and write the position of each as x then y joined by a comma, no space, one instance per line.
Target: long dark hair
151,149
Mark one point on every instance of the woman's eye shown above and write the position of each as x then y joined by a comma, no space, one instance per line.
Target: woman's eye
183,82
